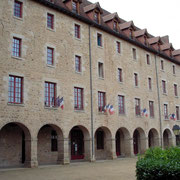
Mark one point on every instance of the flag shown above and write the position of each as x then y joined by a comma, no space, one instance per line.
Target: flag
173,117
61,103
111,110
106,108
144,112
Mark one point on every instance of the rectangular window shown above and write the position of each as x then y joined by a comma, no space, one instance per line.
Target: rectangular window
162,65
96,17
120,75
118,47
165,111
50,94
50,56
175,90
150,83
100,139
177,113
54,144
101,101
78,98
77,31
121,105
16,47
151,109
137,107
134,53
18,9
15,90
50,21
74,7
148,59
100,70
174,69
99,39
164,86
136,79
78,63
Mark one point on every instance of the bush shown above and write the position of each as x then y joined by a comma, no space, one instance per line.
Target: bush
158,164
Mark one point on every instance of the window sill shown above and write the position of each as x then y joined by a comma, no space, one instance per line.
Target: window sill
101,47
102,113
79,110
165,94
101,78
50,66
78,72
166,119
50,108
121,82
79,39
162,70
18,58
177,97
14,104
18,18
52,30
138,116
122,114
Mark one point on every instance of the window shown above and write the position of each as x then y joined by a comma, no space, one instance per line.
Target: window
50,94
96,17
120,75
148,59
165,111
150,83
100,70
177,113
151,109
74,7
174,69
54,143
118,47
134,53
18,9
175,90
136,79
99,39
78,63
137,107
115,26
101,101
121,105
77,31
100,139
50,21
50,56
78,98
15,90
164,86
162,65
16,47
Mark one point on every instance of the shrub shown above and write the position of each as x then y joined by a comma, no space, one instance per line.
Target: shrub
158,164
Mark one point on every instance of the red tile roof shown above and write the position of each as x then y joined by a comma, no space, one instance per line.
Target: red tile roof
154,40
126,25
92,7
176,52
166,46
111,16
140,32
165,39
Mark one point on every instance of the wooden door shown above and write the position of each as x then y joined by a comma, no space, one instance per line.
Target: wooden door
118,146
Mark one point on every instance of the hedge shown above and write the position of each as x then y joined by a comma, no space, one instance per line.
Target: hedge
158,164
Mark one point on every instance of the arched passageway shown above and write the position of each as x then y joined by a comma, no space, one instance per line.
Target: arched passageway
49,144
167,138
15,149
103,143
153,138
123,142
139,141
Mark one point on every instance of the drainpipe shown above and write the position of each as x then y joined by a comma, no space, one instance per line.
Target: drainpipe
91,92
159,102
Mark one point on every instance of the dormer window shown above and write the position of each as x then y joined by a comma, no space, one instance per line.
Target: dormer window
96,17
74,7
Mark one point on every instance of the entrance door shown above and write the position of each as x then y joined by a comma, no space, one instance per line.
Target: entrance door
23,147
77,144
118,146
135,141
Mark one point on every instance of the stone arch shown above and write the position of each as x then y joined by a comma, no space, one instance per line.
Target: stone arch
153,138
15,146
167,138
50,144
103,143
80,144
139,141
123,145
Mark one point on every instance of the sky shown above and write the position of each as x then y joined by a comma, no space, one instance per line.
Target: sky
159,17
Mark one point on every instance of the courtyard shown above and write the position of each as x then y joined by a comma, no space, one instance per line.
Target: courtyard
120,169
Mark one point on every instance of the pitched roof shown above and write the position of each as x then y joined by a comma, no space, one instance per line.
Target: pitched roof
126,25
165,39
166,46
92,7
80,1
176,52
111,16
154,40
140,32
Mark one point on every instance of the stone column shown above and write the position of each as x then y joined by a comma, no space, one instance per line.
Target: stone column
128,147
143,145
111,148
31,153
88,149
131,151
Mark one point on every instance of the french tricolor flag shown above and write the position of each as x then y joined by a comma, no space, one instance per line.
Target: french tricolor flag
60,102
111,110
106,108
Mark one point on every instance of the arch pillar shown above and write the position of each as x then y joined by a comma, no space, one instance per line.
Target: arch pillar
113,149
144,144
131,150
88,149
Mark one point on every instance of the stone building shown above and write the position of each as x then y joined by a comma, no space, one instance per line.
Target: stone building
119,84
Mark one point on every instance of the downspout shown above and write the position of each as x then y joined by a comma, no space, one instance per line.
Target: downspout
91,92
159,101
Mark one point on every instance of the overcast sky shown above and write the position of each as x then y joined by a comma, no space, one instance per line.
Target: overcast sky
159,17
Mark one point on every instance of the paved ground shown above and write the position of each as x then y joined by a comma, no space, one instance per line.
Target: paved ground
121,169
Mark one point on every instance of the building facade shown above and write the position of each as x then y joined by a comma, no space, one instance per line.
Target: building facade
77,82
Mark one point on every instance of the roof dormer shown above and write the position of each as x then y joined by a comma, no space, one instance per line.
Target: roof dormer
112,20
167,48
128,28
176,54
94,12
155,42
73,5
142,36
